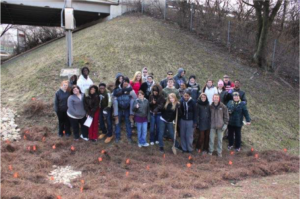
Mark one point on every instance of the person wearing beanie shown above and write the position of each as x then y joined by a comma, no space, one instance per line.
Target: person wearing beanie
179,78
237,111
210,90
194,87
222,92
84,82
203,124
156,103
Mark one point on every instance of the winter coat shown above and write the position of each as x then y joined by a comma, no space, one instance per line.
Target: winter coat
188,110
147,89
195,90
210,93
61,101
135,86
219,116
143,109
179,79
203,115
159,100
228,86
91,104
241,93
223,96
76,107
237,110
168,114
167,91
105,100
164,83
84,84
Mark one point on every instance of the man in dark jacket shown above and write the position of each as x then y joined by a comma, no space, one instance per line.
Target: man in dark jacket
218,123
124,109
105,113
179,78
236,88
237,111
156,103
164,82
147,86
188,121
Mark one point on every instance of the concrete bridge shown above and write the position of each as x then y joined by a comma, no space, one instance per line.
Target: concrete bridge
48,13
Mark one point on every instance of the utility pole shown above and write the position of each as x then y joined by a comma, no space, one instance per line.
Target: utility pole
69,27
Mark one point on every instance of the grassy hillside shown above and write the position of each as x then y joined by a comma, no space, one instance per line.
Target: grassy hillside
129,43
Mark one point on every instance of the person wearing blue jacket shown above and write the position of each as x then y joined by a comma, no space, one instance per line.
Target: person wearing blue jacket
237,111
188,122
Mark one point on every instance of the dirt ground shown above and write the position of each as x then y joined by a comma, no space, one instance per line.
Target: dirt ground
149,174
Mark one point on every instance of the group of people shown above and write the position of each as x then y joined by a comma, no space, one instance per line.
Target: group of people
173,104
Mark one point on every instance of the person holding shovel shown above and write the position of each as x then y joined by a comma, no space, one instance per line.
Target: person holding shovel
170,112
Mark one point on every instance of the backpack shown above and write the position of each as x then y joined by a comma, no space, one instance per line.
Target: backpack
124,101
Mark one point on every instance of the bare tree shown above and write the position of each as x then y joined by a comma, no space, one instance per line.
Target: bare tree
265,18
7,28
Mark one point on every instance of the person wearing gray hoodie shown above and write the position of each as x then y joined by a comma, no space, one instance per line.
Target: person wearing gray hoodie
179,78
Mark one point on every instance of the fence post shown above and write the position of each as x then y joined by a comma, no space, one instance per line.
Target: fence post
228,35
142,6
273,56
192,11
165,10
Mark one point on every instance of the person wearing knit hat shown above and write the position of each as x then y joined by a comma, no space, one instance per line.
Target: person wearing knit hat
179,78
222,92
144,74
194,87
237,111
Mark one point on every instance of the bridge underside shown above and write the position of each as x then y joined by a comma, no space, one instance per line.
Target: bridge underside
27,15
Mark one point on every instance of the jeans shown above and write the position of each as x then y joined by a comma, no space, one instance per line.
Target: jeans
212,134
142,132
106,118
162,126
234,131
63,123
75,126
186,135
126,114
154,126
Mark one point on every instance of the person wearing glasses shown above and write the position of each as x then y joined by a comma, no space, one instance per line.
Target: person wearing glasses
164,82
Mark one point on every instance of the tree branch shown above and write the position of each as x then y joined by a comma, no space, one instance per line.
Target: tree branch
275,10
249,4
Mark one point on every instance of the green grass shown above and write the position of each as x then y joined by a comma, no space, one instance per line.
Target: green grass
127,44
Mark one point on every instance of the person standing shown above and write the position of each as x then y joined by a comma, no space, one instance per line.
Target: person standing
77,114
182,90
124,109
60,108
188,122
147,86
222,92
105,116
210,90
156,103
179,78
218,124
168,115
164,82
194,87
170,89
237,88
91,106
84,82
228,85
203,124
237,111
136,82
141,109
144,74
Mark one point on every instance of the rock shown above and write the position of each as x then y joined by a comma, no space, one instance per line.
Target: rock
9,129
